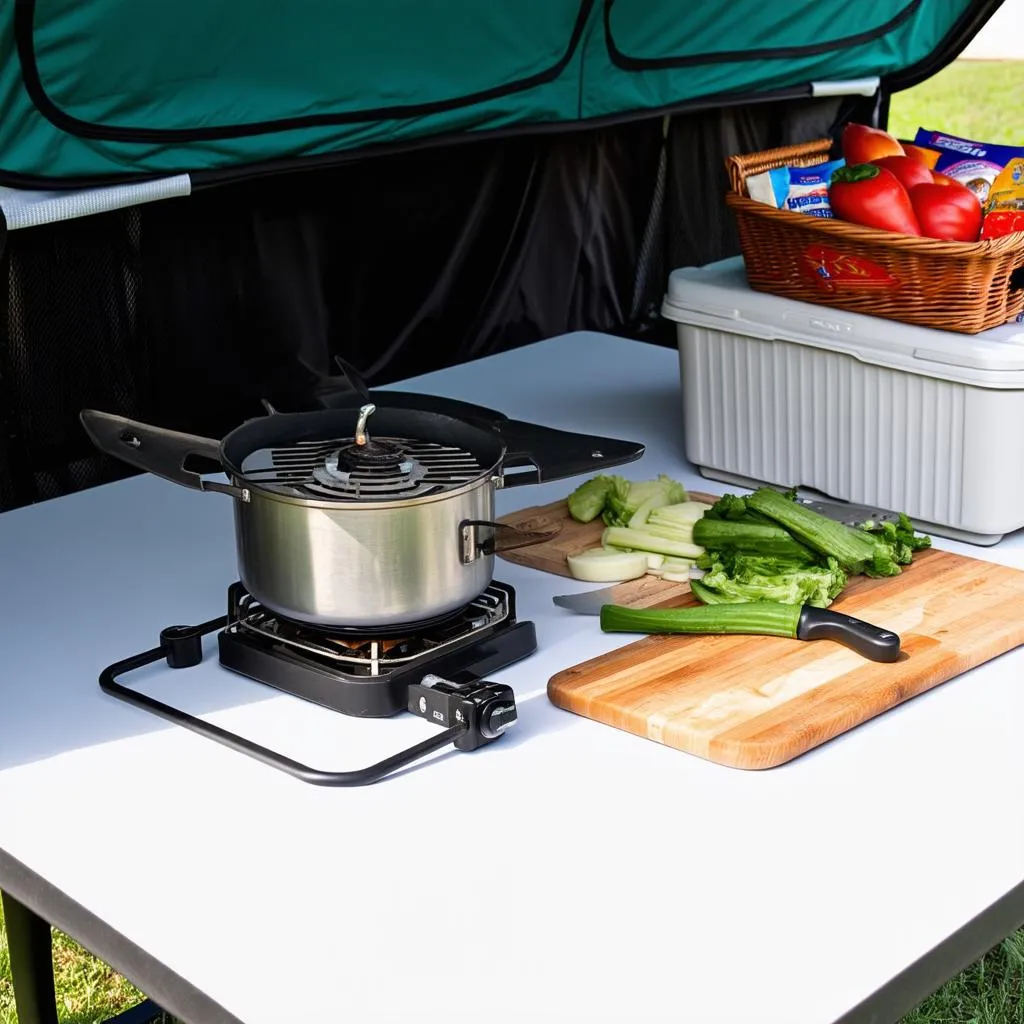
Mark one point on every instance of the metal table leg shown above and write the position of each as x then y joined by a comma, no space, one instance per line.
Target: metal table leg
28,940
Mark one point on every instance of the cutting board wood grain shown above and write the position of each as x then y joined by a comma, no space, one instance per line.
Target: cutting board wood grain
757,702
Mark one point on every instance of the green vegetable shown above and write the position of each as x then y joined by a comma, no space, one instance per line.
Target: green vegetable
587,502
756,538
857,551
619,500
683,513
735,509
737,578
760,617
639,518
626,497
657,528
641,540
769,547
728,506
900,537
765,547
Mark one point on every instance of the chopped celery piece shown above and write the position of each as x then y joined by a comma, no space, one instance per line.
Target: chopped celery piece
587,502
641,540
765,539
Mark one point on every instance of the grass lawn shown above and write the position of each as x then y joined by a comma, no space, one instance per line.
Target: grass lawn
87,989
978,99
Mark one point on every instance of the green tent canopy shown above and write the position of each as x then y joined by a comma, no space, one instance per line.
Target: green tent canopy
118,90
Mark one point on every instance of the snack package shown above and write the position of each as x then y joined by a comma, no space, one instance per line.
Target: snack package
974,164
801,189
1004,210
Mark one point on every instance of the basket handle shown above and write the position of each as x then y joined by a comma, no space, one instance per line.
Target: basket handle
806,154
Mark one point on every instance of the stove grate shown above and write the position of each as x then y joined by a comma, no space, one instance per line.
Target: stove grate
372,655
313,469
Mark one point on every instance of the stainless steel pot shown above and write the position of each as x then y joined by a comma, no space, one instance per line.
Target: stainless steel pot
334,527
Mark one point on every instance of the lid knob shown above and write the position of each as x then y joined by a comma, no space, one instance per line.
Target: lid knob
362,437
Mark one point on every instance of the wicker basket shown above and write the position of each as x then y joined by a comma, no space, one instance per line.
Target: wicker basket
956,286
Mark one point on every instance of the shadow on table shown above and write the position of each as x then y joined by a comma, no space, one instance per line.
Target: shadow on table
52,721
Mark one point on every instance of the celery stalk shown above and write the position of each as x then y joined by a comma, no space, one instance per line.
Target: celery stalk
641,540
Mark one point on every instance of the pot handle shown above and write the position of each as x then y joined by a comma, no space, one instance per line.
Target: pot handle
156,450
555,454
473,544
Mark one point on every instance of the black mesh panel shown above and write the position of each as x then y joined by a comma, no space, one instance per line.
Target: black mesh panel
71,339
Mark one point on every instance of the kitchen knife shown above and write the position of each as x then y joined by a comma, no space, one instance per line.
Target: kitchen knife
866,639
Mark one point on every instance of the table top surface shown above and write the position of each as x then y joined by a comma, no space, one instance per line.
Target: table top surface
568,871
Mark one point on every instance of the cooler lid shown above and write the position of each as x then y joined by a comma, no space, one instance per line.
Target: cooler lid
717,296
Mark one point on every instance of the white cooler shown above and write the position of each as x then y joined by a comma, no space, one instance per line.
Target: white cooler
851,407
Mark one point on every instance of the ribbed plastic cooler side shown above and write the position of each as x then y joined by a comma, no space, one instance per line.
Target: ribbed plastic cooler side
949,454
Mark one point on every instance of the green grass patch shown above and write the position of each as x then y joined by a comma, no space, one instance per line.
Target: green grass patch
988,992
88,991
976,99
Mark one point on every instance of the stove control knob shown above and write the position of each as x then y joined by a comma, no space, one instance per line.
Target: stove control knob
496,718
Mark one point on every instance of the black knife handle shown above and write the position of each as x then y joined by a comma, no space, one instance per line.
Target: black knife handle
870,641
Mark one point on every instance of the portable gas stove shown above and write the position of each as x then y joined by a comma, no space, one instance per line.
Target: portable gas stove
435,671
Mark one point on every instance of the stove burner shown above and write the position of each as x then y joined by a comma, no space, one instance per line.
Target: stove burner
373,453
382,469
390,634
374,470
363,652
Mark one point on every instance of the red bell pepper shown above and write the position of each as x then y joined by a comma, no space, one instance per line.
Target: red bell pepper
951,212
909,172
862,145
1002,222
872,196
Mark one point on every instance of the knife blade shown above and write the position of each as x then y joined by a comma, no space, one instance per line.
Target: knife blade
589,602
848,513
870,641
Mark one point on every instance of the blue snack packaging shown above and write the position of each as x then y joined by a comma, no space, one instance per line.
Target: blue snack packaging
974,164
800,189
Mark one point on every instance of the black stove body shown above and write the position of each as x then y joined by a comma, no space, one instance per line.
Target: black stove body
437,672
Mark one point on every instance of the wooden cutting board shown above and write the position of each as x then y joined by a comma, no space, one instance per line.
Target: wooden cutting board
756,702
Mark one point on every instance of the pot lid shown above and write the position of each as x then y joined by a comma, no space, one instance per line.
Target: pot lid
361,468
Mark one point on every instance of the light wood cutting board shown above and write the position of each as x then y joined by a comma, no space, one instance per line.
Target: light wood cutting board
756,702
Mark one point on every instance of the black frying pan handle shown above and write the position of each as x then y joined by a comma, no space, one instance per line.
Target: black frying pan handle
556,454
153,449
